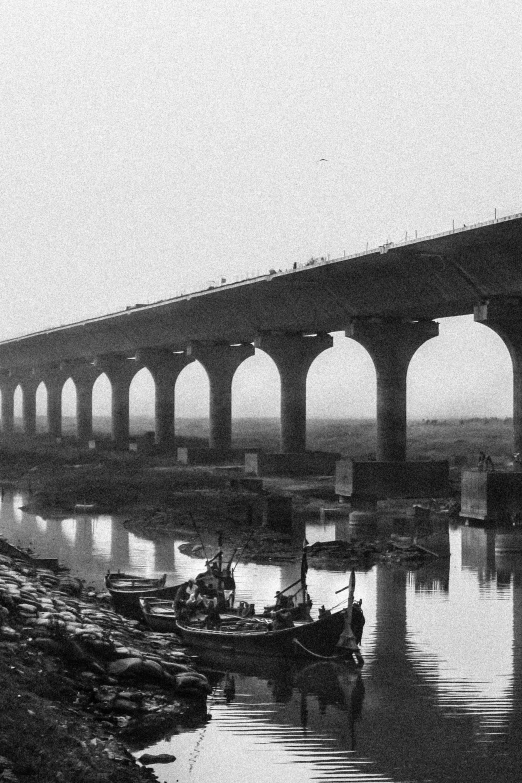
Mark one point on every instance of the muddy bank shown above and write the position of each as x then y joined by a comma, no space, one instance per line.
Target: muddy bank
80,684
165,499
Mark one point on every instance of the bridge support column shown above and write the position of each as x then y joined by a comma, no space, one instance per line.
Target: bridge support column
54,379
54,409
391,344
293,355
7,387
29,386
165,367
220,362
84,377
504,316
120,372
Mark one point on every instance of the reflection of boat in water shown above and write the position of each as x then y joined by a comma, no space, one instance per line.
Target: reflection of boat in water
318,686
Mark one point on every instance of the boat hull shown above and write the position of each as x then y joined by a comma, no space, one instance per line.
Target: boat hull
158,613
126,591
318,637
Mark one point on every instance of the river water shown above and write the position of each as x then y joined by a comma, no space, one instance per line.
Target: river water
438,699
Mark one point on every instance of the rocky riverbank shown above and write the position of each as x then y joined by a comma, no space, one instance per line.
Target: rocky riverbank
79,684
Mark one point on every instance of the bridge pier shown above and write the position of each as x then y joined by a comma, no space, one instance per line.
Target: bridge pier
29,385
84,376
220,362
293,355
120,371
165,367
7,387
504,316
54,379
391,345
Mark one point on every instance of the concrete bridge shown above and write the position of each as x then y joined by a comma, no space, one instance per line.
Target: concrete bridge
386,299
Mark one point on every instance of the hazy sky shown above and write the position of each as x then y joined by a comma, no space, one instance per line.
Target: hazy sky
149,147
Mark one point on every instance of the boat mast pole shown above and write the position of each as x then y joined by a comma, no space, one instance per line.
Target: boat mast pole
199,535
243,549
304,571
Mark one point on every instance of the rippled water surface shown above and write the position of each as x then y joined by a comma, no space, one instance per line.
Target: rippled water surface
439,697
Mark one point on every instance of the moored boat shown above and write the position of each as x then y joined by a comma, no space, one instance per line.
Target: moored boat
126,589
159,612
256,636
240,631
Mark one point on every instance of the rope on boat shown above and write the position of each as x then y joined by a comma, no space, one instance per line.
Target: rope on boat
316,655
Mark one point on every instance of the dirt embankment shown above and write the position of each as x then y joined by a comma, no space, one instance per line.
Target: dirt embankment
79,684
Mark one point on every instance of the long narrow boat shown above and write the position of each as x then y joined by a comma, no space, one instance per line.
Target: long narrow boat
330,635
126,590
160,614
254,636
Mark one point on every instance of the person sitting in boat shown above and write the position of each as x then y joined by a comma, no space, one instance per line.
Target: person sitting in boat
283,601
206,588
182,595
213,618
245,609
195,600
282,619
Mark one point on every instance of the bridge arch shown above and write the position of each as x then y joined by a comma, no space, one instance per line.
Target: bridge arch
18,406
256,394
69,400
101,406
341,387
470,366
142,394
42,423
192,402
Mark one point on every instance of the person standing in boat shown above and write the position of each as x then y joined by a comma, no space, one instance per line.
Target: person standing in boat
213,618
358,621
229,586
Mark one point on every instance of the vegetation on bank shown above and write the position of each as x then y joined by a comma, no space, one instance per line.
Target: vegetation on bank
59,477
427,438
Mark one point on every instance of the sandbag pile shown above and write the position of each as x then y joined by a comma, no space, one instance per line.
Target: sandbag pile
47,611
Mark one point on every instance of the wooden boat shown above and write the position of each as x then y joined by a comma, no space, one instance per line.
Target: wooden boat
127,589
254,636
330,635
159,613
51,563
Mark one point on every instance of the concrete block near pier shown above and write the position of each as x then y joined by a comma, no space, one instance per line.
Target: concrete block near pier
494,496
247,483
274,512
384,480
202,456
308,463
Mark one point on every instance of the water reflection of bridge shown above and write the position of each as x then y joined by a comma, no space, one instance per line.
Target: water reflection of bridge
445,669
443,644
